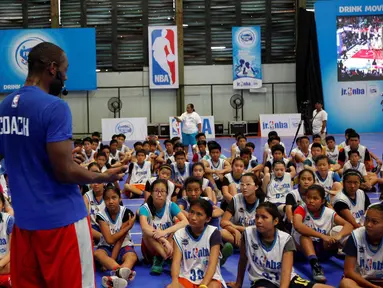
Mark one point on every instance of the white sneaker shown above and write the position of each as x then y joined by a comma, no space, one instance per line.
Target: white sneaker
114,281
132,275
124,273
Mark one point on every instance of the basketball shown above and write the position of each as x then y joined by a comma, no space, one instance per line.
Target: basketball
171,58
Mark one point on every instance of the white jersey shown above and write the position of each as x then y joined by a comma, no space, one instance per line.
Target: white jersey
200,157
327,182
4,237
94,206
216,166
278,189
88,159
323,224
361,149
195,255
253,159
370,263
231,180
333,155
242,216
300,165
171,187
160,223
297,196
114,227
265,263
141,174
123,149
205,183
237,152
294,151
357,208
169,157
360,167
178,176
114,157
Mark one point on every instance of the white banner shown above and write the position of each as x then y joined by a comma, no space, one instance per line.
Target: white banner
163,57
135,129
208,127
283,124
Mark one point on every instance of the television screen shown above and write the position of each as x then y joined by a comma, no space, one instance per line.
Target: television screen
359,48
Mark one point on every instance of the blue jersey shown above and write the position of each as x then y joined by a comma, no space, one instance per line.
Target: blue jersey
29,119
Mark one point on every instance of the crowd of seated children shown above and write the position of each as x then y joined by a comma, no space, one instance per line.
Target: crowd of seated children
305,204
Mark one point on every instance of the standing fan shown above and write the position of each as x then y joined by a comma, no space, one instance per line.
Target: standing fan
114,105
236,101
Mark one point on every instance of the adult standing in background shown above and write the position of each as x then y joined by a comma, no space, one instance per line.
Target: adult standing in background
51,240
192,125
319,121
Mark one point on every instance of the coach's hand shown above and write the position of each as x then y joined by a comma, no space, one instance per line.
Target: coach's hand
77,155
114,174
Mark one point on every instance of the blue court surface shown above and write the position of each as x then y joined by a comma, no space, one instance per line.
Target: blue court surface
333,268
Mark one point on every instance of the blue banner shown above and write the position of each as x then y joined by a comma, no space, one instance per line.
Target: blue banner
247,63
79,45
351,60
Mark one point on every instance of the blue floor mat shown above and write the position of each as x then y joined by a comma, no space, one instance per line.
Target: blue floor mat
333,270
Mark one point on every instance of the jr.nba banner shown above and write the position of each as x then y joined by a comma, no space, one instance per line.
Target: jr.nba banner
163,57
247,64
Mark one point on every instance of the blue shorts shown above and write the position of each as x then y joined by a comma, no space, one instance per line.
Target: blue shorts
121,254
189,139
96,227
215,222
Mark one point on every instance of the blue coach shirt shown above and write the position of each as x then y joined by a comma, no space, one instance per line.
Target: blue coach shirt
29,119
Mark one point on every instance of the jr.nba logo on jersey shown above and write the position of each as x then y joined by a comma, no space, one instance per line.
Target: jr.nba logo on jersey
163,57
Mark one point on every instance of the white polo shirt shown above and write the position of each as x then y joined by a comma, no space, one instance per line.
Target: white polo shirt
318,118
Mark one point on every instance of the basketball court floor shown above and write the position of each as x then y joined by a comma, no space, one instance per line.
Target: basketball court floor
333,268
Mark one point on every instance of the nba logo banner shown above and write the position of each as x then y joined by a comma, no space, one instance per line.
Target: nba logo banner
247,65
163,57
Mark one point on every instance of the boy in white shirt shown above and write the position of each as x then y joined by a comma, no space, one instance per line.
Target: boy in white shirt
139,173
271,134
332,150
355,164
